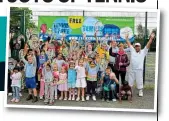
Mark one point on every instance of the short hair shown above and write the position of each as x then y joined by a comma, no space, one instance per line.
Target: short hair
109,68
30,50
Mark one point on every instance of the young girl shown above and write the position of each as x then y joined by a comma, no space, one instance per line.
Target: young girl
71,80
16,84
81,79
59,61
92,69
63,83
56,78
49,86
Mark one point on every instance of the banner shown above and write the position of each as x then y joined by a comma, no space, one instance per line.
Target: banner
112,28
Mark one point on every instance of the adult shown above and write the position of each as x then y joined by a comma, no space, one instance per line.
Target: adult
137,61
113,49
121,62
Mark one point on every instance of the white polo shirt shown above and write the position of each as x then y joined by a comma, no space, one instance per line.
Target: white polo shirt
137,59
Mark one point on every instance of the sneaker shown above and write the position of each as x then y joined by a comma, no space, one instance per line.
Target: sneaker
13,100
69,98
51,103
35,99
78,98
140,93
41,98
20,94
17,100
107,101
73,98
9,94
56,97
83,99
94,98
87,97
61,98
114,100
65,98
29,97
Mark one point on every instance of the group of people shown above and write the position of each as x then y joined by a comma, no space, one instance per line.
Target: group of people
63,70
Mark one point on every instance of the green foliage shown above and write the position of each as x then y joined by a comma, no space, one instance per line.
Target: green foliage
16,16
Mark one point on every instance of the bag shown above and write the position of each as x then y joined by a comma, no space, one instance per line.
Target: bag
61,82
106,88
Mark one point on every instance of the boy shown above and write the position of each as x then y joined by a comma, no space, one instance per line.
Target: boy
30,72
125,92
109,82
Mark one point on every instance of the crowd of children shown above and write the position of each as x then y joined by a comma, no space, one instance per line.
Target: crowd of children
63,70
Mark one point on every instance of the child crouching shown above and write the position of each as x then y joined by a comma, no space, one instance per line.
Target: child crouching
109,82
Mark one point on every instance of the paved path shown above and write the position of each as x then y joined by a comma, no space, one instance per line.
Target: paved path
145,102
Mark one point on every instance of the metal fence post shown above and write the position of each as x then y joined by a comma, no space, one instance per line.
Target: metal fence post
145,42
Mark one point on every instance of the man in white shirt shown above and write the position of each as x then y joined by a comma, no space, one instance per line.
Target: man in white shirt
137,62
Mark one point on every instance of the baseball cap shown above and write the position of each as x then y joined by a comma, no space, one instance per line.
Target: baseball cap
137,44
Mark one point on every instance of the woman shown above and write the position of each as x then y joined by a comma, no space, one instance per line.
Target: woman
121,62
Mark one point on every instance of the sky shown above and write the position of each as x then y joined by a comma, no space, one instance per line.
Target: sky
139,16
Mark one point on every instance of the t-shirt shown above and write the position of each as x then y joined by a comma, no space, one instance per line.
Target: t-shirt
137,59
81,73
16,79
48,76
92,72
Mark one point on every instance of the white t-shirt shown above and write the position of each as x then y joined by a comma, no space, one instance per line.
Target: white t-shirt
137,59
81,72
16,79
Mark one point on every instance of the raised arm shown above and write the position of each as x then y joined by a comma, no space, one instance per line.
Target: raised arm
150,40
111,53
127,40
95,35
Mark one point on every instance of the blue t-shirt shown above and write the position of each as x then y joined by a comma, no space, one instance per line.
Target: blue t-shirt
71,75
107,81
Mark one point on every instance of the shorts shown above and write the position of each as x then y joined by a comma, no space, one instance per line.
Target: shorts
30,83
81,83
71,84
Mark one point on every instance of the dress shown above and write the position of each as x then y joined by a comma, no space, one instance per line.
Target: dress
64,86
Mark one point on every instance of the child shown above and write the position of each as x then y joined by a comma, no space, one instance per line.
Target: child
16,84
56,78
63,83
71,80
125,92
49,87
30,71
81,79
59,61
92,69
109,83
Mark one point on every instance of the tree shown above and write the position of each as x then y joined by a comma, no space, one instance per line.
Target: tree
16,17
141,34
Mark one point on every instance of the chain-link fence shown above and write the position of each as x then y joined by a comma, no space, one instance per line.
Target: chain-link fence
139,20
